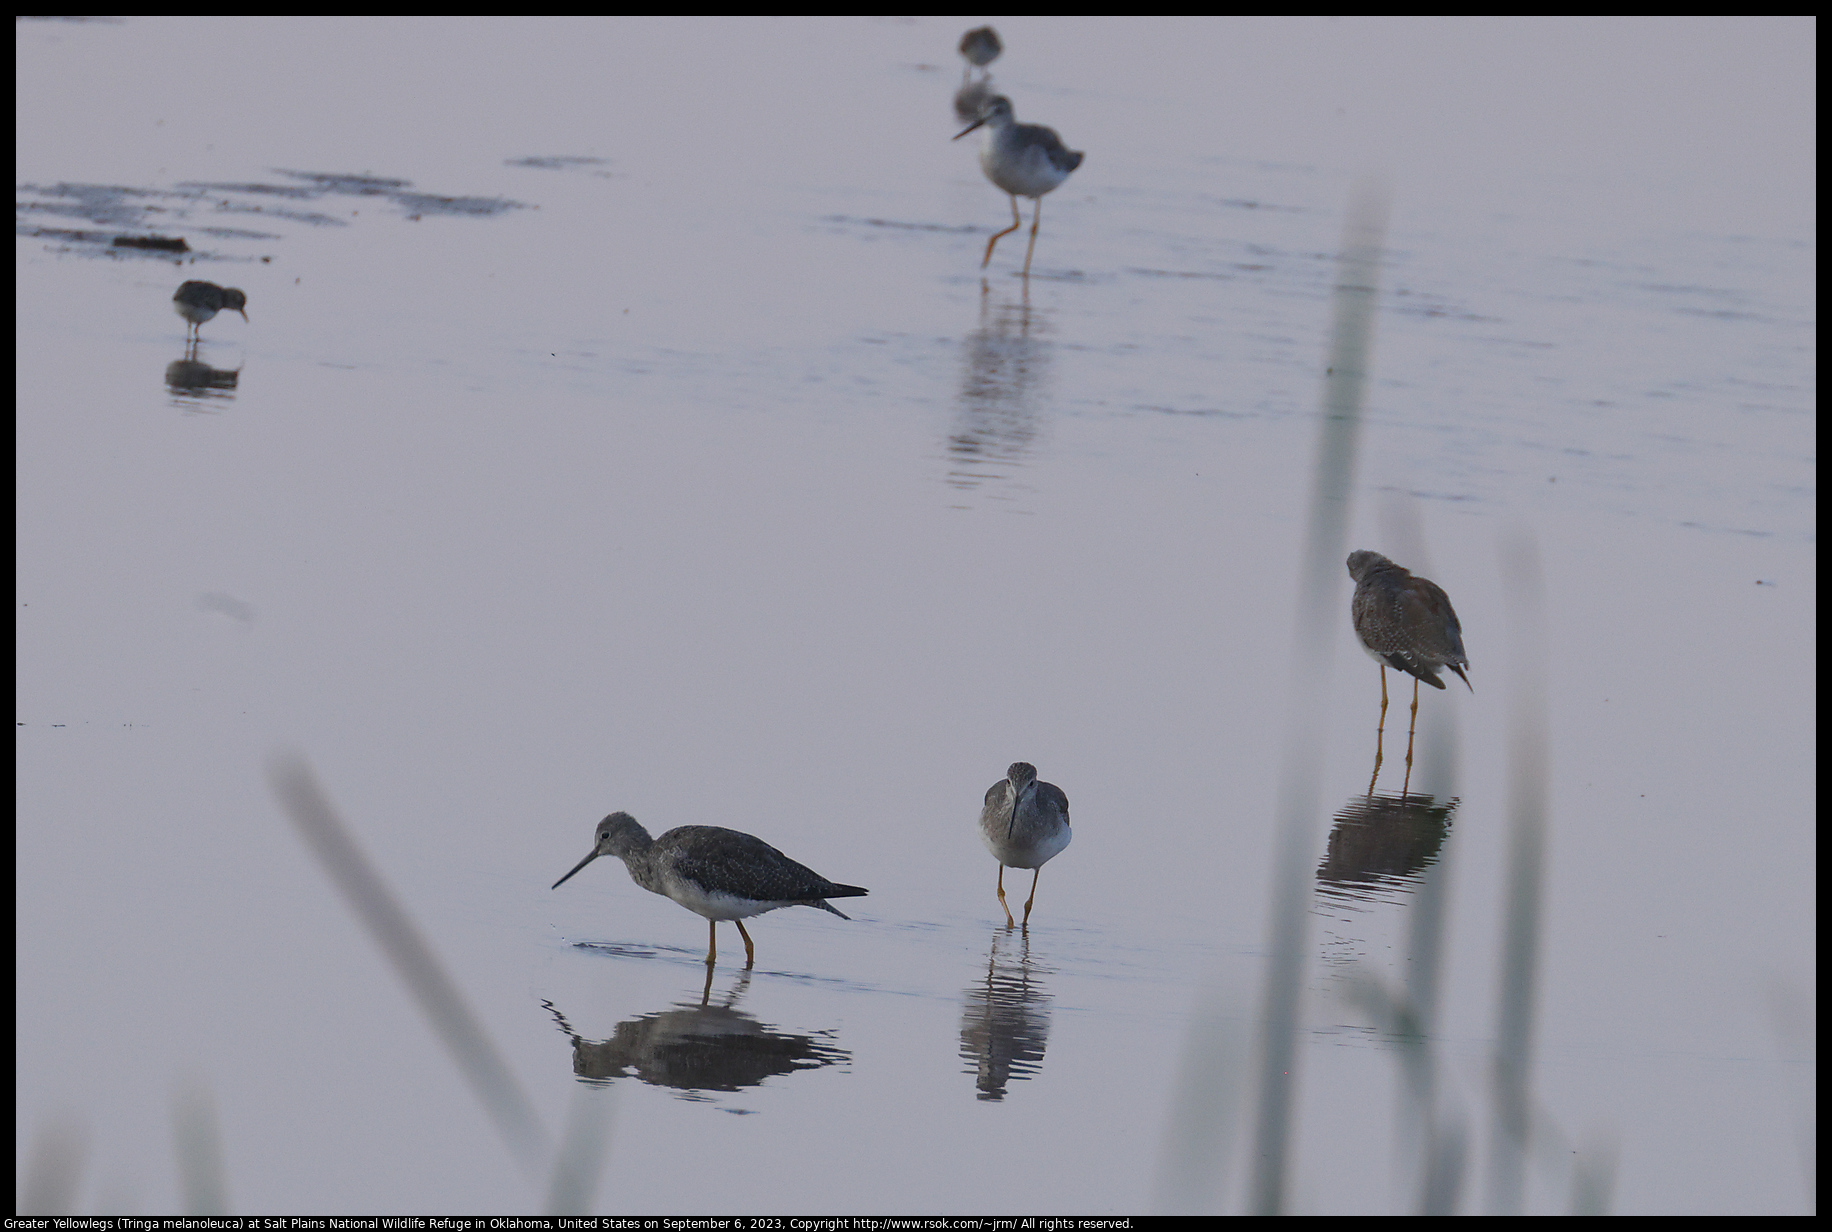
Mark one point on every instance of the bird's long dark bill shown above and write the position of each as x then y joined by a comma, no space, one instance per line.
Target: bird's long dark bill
1017,797
968,129
581,864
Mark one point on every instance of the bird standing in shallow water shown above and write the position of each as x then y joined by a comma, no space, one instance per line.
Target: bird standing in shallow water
1026,160
197,302
714,872
1024,824
980,46
1406,623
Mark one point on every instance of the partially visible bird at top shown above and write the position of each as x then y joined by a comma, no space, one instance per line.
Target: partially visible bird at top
980,46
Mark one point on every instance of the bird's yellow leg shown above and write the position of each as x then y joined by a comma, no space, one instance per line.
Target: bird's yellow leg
1409,734
1379,731
750,951
1009,922
1035,219
1016,222
1033,897
712,942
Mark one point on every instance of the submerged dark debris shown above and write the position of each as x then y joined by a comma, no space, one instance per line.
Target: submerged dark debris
156,222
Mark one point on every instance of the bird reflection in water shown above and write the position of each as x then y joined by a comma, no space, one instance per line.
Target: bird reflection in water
192,377
1006,1023
1002,374
695,1048
1381,846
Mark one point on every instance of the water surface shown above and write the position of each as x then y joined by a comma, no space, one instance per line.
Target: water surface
623,422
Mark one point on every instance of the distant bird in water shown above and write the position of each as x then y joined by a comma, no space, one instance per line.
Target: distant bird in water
714,872
979,47
197,302
1406,623
1025,824
1026,160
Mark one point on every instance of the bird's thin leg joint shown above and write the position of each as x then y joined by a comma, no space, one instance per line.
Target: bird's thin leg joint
1009,922
1409,734
1016,221
750,951
1033,896
1380,731
1035,220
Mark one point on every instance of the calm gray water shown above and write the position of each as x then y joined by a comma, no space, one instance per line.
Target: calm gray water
622,422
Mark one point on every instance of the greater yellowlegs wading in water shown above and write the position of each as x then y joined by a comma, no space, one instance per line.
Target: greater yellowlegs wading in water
980,46
1406,623
1025,824
1026,160
714,872
197,302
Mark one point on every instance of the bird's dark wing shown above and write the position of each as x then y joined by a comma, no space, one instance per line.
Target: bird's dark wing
733,862
1425,609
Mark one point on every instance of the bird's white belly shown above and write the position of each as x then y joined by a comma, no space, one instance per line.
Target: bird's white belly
1026,174
1036,855
715,905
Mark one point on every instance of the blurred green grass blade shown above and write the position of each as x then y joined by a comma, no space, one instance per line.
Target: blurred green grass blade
1320,587
579,1163
1529,773
413,960
198,1140
1205,1110
54,1168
